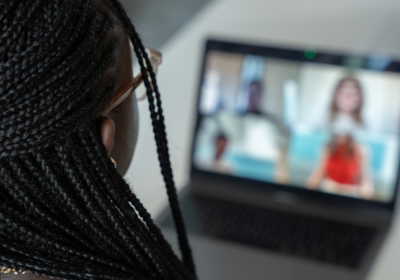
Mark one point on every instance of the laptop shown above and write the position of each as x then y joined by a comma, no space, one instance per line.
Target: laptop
295,163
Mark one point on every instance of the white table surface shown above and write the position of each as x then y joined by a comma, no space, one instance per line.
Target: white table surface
337,25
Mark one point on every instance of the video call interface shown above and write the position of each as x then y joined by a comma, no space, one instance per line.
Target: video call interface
314,126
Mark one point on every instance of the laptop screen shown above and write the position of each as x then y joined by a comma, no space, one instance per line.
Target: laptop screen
314,121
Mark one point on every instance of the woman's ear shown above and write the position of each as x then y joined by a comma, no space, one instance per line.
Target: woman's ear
107,132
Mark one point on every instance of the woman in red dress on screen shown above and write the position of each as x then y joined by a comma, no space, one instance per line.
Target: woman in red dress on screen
343,167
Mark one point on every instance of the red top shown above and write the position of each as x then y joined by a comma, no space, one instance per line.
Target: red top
343,168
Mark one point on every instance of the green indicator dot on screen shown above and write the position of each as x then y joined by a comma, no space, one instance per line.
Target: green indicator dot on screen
310,52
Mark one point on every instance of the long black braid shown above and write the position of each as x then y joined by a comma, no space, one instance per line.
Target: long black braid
65,212
160,137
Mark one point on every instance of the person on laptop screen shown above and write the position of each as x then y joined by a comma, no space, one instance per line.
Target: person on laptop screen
264,136
342,169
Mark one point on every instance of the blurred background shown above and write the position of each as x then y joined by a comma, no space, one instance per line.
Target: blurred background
156,21
179,29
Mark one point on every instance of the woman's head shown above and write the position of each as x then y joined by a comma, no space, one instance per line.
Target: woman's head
220,144
65,211
255,96
347,99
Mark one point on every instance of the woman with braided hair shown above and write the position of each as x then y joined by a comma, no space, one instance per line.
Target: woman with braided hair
65,107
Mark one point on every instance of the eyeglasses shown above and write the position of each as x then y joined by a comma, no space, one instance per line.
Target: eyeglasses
135,84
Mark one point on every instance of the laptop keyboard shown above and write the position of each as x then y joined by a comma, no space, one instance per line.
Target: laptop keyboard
304,236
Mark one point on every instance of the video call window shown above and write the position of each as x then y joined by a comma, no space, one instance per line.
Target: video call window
314,126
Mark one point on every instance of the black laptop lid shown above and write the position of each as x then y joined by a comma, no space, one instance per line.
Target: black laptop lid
316,124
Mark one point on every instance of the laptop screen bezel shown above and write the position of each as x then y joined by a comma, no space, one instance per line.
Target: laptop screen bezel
298,56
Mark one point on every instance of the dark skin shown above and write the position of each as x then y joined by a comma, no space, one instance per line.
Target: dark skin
119,128
118,131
